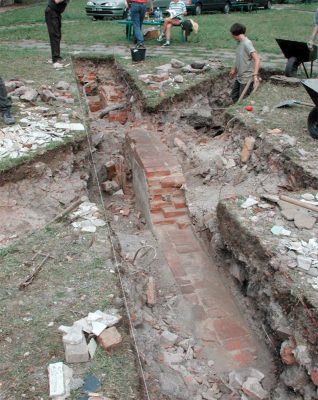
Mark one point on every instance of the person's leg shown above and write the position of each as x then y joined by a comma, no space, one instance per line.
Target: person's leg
53,22
5,104
138,12
164,29
171,23
235,93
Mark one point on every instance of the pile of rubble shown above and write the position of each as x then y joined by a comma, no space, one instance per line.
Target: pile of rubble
172,74
89,214
40,125
80,346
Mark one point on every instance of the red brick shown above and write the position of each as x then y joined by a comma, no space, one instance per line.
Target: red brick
236,344
227,329
187,248
159,190
173,181
151,292
110,169
244,358
183,222
94,103
286,353
156,206
126,211
314,376
181,238
180,203
154,172
170,212
109,339
91,76
118,116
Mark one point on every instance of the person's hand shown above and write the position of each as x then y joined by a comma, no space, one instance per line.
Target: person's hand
151,9
256,82
310,44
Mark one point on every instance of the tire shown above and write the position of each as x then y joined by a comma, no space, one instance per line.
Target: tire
227,8
312,123
268,5
198,9
291,67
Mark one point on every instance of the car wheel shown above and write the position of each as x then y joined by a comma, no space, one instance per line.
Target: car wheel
312,123
198,9
226,8
291,67
268,5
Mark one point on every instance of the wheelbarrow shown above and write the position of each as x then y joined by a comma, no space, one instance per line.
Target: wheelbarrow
311,86
297,53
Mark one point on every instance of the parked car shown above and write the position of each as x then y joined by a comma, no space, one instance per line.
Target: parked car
197,7
99,9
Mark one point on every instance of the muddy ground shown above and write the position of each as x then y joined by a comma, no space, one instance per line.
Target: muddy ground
90,271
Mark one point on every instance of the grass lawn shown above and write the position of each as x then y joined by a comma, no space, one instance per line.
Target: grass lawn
262,27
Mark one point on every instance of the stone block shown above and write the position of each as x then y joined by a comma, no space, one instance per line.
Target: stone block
60,377
109,339
76,352
252,388
173,181
168,339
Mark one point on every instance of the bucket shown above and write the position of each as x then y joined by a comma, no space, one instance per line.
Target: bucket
138,55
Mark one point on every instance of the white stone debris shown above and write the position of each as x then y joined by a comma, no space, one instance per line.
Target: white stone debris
308,196
249,202
89,213
32,132
60,378
279,230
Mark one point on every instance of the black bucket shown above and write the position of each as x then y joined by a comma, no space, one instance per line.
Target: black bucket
138,55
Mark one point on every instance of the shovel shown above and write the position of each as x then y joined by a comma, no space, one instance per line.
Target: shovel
292,102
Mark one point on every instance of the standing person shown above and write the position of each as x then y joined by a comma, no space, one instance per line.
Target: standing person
53,19
247,63
178,9
5,105
138,10
312,38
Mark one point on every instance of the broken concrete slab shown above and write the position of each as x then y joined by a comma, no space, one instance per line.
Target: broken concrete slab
60,377
75,353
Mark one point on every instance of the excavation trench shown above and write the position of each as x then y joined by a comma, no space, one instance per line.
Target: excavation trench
192,300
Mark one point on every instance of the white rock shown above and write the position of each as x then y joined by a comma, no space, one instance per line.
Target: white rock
92,346
98,327
249,202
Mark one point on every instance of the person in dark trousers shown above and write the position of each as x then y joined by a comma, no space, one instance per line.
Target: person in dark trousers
138,10
247,63
53,19
5,105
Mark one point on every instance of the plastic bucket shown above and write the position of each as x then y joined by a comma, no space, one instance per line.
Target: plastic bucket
138,55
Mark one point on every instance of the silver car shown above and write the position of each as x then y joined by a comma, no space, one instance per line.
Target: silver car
99,9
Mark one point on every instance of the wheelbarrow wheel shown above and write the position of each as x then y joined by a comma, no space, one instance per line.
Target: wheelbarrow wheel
312,123
291,66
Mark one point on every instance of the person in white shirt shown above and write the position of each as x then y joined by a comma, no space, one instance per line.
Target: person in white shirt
177,10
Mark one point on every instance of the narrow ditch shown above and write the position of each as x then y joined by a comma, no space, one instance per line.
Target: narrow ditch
180,355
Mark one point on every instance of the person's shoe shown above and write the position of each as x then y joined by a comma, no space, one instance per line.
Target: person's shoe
49,61
161,37
166,44
58,65
8,118
140,46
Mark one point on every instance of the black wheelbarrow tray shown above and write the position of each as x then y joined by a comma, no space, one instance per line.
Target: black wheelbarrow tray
297,53
311,86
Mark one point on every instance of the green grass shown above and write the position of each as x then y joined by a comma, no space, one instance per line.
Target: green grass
262,27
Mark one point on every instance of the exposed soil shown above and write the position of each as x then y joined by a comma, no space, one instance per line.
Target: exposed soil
207,145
